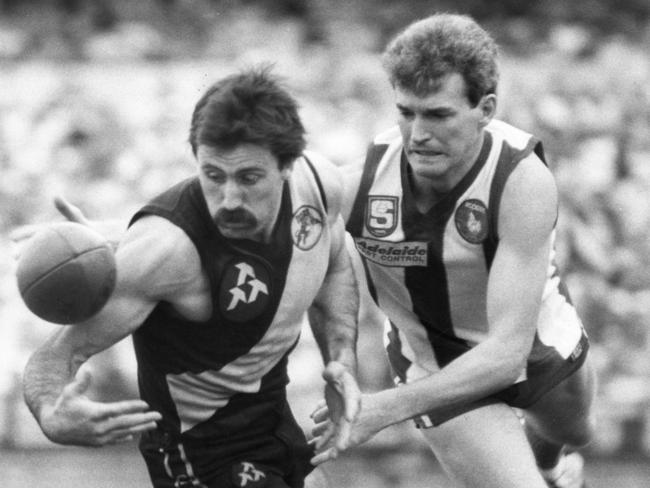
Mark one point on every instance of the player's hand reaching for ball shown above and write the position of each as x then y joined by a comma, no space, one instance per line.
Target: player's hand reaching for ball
78,420
111,230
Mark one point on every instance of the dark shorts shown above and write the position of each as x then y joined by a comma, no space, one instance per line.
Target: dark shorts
545,370
273,458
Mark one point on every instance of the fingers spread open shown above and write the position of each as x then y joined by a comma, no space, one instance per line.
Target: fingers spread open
343,432
136,421
320,428
135,409
69,211
351,396
320,414
324,456
23,232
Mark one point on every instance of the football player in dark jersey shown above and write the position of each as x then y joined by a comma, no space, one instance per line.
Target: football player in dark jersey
453,214
215,276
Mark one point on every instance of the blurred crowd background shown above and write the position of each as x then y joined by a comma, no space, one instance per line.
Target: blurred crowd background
95,102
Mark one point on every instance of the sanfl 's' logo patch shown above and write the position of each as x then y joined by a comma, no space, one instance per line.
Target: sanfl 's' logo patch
306,227
471,220
245,290
381,215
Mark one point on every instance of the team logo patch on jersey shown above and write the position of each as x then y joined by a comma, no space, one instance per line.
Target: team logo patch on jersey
381,215
472,220
245,289
248,475
410,253
306,227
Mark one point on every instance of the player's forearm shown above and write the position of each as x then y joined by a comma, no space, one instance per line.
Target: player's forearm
46,373
333,318
481,372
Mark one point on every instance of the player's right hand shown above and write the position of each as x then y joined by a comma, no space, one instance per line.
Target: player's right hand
77,420
71,213
112,230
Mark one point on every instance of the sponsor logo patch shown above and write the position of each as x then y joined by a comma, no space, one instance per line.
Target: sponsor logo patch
381,215
245,289
306,227
248,475
472,221
410,253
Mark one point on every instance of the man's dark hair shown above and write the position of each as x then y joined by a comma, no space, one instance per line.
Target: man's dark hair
249,107
421,56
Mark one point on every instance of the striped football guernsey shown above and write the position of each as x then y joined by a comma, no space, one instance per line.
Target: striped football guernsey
429,272
214,379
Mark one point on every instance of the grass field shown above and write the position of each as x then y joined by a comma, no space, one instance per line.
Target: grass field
122,467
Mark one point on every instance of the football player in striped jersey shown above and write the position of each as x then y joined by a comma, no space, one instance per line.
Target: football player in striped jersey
215,276
453,216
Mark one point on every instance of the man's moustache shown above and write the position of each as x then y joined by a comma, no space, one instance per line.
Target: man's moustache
237,216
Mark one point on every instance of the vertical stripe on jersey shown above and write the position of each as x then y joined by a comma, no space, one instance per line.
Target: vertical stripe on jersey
508,161
433,281
422,282
355,223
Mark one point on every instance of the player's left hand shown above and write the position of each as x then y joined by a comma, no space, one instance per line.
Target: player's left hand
342,404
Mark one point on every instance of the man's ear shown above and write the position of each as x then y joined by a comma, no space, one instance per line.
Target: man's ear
488,107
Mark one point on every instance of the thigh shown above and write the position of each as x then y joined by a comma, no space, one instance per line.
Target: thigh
317,479
485,448
564,413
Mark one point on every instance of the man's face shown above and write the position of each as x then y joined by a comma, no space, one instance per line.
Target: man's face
243,189
442,133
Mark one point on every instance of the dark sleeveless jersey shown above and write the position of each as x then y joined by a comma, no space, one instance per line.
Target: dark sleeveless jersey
202,375
429,272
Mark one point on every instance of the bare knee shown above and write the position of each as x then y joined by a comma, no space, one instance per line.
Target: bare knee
581,433
575,430
564,415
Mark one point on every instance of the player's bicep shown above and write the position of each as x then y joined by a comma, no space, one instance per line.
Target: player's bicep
518,272
149,269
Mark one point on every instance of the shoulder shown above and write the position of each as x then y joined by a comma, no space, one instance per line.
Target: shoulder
353,172
388,137
158,254
516,137
331,178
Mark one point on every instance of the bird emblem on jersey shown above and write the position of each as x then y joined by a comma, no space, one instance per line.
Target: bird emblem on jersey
246,474
246,277
471,220
244,292
306,227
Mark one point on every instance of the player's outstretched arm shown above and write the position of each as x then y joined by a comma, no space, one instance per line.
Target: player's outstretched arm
149,269
333,317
